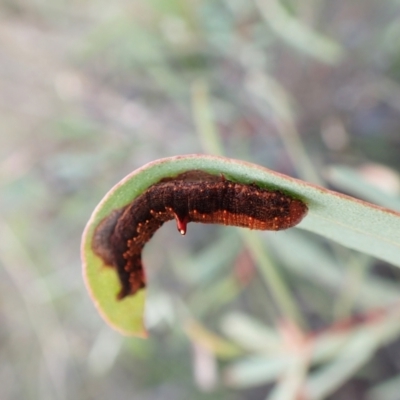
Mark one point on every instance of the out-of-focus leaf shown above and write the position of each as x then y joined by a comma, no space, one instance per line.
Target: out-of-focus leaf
256,370
310,260
349,350
358,349
299,35
387,390
290,385
211,341
250,333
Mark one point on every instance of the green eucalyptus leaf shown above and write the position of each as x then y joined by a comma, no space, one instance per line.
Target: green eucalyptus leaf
353,223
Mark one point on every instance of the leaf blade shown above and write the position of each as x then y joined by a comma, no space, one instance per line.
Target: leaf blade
353,223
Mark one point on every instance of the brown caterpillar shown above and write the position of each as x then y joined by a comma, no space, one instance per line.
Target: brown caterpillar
193,196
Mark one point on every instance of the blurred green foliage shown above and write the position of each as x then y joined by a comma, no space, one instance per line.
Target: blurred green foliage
91,90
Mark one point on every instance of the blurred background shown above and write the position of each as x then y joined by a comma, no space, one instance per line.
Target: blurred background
91,90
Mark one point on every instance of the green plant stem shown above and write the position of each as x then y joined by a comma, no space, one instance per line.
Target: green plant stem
273,280
204,119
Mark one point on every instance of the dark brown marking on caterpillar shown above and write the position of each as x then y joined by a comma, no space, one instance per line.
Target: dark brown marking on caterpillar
193,196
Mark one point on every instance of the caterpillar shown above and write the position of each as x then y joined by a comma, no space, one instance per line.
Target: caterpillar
193,196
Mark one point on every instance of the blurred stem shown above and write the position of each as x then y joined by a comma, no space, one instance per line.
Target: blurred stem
281,294
271,93
297,152
358,266
204,119
298,34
